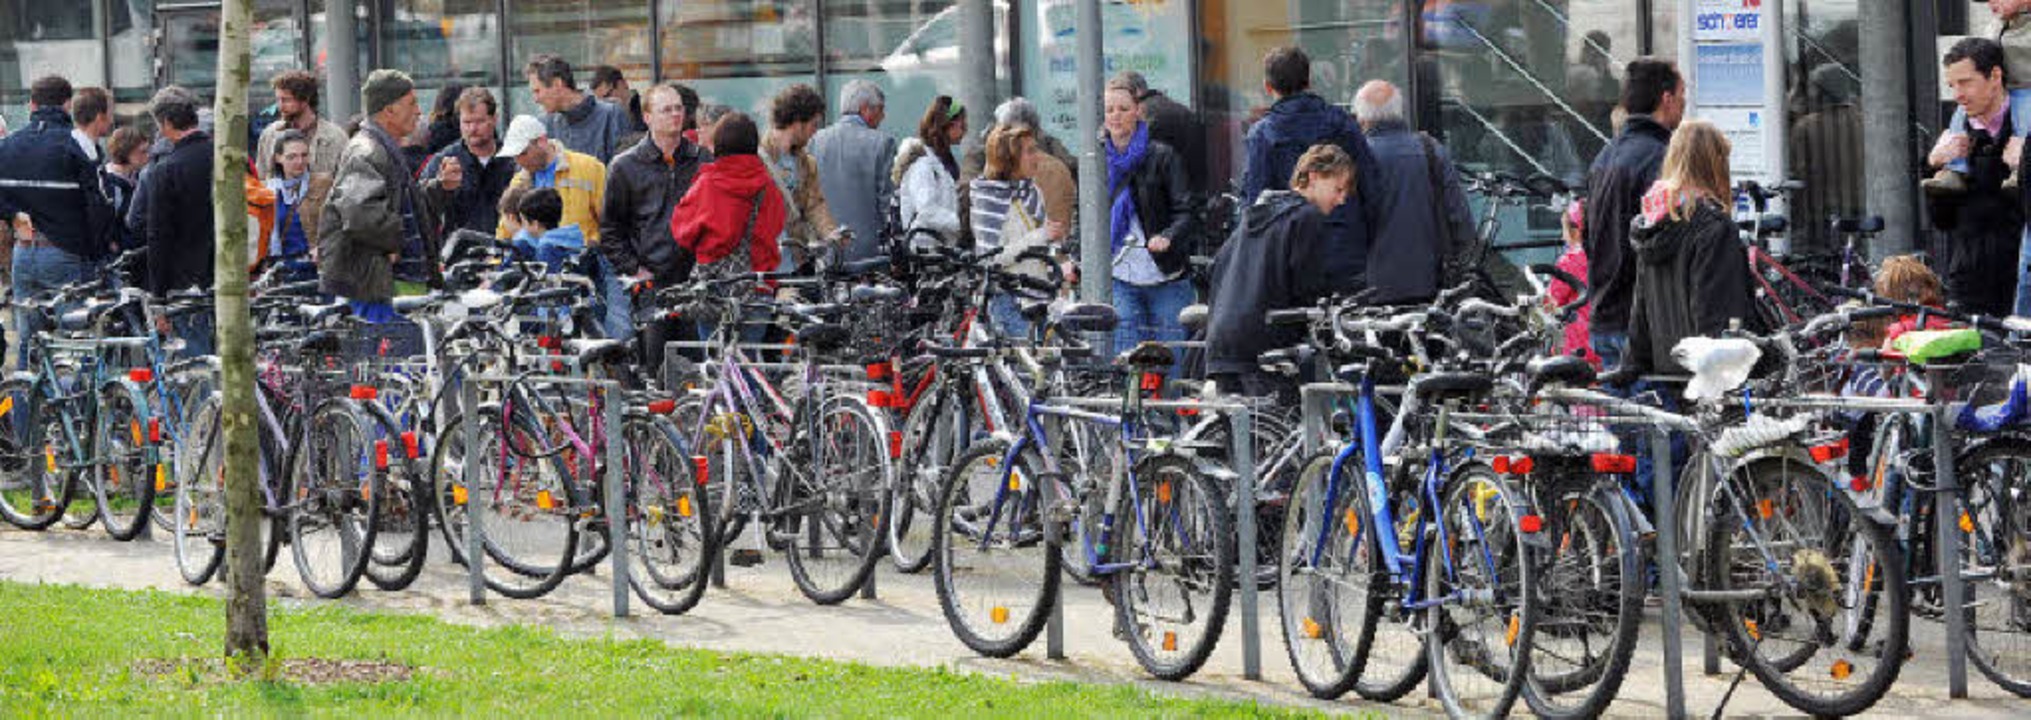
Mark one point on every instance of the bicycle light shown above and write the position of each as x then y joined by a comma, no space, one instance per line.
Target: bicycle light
880,398
364,392
1506,465
1860,483
409,444
1614,464
662,407
1152,382
878,371
895,444
155,431
380,454
1531,524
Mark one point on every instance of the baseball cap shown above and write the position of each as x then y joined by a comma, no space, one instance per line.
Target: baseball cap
524,129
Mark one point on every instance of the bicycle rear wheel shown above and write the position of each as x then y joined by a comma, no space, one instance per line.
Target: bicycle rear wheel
1323,570
334,499
1996,559
670,539
125,472
1479,575
934,435
1590,582
403,541
198,528
835,531
33,491
1175,534
996,575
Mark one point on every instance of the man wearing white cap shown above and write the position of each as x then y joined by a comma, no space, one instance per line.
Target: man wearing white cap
580,180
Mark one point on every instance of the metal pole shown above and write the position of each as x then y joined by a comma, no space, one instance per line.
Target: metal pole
616,509
1055,532
476,500
1241,437
1095,280
1667,553
342,62
1688,51
1775,70
1886,124
1946,523
977,63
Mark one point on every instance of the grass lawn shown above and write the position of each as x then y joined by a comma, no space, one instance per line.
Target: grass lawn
78,652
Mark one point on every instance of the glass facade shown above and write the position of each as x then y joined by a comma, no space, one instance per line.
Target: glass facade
739,53
908,47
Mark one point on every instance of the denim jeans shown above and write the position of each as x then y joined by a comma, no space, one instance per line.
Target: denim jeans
1007,317
619,319
1150,312
1612,347
199,333
2024,275
38,271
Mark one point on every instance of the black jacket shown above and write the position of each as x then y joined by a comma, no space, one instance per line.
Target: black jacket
1165,205
180,225
44,173
1273,145
1271,263
1692,279
475,204
1615,186
1173,124
120,195
1984,228
641,194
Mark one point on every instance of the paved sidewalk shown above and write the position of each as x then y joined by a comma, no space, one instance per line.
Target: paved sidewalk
762,611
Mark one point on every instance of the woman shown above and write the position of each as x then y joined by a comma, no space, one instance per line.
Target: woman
728,222
443,126
1150,225
126,154
299,198
1692,275
927,174
1007,213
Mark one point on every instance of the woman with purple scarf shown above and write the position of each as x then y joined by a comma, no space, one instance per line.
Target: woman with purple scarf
1150,225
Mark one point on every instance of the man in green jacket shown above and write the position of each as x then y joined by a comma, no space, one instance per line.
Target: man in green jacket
378,227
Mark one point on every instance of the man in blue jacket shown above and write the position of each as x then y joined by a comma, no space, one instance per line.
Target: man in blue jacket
1296,121
1423,217
46,178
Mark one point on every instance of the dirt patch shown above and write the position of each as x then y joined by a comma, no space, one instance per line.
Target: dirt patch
295,671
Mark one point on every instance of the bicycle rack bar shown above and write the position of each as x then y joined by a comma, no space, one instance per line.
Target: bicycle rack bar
616,508
1949,540
1241,436
476,501
1666,496
1054,536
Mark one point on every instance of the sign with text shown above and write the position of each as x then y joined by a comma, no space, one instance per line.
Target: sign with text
1728,20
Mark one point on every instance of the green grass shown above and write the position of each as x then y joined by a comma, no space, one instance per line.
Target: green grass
71,651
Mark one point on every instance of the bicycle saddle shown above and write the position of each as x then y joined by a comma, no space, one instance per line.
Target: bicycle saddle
319,341
1559,371
83,318
1194,317
1456,385
1089,318
1147,356
824,337
1285,361
596,352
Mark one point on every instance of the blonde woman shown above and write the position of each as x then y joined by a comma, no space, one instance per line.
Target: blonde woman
1692,275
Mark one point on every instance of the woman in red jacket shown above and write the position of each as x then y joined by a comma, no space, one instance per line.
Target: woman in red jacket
732,215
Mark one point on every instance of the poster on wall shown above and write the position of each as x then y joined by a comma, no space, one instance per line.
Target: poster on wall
1728,79
1728,21
1147,36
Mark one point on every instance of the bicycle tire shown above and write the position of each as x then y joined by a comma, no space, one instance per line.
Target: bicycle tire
180,396
198,519
1172,503
846,500
32,496
1604,534
1308,604
975,476
402,542
932,437
1998,472
333,487
668,520
1480,508
124,474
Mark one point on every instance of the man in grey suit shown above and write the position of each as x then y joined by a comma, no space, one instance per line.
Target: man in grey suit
853,157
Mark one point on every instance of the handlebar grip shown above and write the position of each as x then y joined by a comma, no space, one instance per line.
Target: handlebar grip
1297,316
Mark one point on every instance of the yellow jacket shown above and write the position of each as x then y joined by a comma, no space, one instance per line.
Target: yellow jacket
581,183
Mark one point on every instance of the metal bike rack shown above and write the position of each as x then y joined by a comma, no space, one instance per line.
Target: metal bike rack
1243,453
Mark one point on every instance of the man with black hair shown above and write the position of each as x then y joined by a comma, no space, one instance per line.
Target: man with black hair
49,191
1654,95
572,116
794,116
610,85
296,103
180,226
1297,120
1985,224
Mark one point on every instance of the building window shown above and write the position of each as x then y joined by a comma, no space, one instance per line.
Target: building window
908,47
444,44
739,53
1146,36
586,34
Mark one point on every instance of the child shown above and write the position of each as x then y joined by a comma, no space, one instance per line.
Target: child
540,237
1905,278
510,208
2015,37
1574,262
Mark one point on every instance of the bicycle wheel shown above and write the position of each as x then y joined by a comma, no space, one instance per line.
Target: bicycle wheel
68,441
835,531
33,491
1831,636
1590,583
1086,457
403,541
670,541
1996,560
334,499
996,575
530,533
934,434
176,400
126,471
1479,575
198,531
1323,570
1174,533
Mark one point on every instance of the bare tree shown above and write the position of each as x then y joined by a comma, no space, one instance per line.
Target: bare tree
246,598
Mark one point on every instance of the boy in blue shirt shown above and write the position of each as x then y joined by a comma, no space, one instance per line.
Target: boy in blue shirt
540,238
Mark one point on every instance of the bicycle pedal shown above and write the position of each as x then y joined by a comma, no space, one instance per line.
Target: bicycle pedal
745,557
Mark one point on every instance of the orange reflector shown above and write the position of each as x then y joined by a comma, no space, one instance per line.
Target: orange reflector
1353,521
662,407
380,454
155,430
1613,464
6,405
1515,626
1164,491
141,375
701,468
683,506
1015,482
544,501
364,392
49,458
1750,625
998,614
458,495
161,477
1967,524
1170,641
1841,669
1766,509
134,431
1530,523
1312,629
895,444
193,517
1829,452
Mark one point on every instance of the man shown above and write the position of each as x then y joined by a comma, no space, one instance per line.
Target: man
1654,96
610,85
466,179
572,116
1985,225
1422,214
1173,124
643,188
379,229
180,228
92,115
794,116
63,225
854,157
296,96
580,181
1297,120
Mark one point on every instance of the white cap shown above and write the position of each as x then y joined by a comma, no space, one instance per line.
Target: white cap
524,129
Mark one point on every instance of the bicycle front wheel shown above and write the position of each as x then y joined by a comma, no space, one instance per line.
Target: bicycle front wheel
840,501
1478,575
333,500
198,526
670,539
33,490
126,472
996,575
934,434
1590,582
1175,540
1996,557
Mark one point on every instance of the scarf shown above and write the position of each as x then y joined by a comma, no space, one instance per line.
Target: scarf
1121,162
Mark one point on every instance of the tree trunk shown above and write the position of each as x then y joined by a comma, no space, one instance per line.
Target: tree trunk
246,601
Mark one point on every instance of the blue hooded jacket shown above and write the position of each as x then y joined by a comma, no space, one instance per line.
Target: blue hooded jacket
1292,126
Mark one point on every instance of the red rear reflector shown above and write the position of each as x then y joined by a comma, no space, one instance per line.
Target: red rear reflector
1188,412
1522,465
1613,464
1829,452
701,468
1152,382
1500,464
380,454
141,375
662,407
879,398
409,444
364,392
1530,523
548,342
155,430
1860,483
878,371
895,443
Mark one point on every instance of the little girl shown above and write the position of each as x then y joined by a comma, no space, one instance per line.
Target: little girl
1574,262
